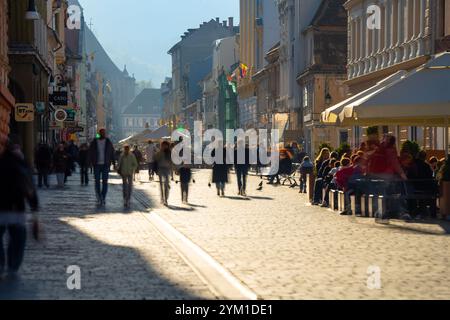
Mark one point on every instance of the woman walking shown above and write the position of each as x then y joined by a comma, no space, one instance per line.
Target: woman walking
220,175
126,168
164,163
60,163
83,161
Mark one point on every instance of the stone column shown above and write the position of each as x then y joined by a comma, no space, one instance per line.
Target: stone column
420,42
400,26
407,30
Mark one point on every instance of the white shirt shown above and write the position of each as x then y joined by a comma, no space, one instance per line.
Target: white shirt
101,150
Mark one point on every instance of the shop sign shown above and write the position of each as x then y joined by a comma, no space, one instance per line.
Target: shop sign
40,107
59,98
24,112
60,115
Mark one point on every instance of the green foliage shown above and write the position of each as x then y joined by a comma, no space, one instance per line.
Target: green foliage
410,147
343,149
324,145
372,131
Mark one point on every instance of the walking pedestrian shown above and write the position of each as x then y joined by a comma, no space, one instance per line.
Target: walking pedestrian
185,173
220,174
164,162
138,155
60,164
126,168
16,186
242,165
43,162
83,162
101,154
150,152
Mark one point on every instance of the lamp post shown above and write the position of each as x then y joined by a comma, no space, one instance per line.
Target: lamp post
31,13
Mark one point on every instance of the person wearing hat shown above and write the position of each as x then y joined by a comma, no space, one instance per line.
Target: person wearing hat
126,168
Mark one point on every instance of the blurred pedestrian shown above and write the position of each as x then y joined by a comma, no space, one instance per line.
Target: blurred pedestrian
126,168
306,167
16,187
101,154
220,174
150,152
242,165
43,162
164,162
139,158
83,162
60,164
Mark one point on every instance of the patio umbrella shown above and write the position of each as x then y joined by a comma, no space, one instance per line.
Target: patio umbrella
331,115
420,98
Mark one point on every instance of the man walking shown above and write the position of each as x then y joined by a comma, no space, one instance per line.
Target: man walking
43,162
150,152
242,166
101,155
126,168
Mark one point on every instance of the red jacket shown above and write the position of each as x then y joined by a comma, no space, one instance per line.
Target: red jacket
343,176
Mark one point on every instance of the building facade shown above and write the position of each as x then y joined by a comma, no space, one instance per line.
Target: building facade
191,63
144,112
404,35
6,98
322,81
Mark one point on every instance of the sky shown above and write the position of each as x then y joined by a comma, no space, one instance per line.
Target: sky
138,33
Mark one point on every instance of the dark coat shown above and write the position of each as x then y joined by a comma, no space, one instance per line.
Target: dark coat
60,161
83,158
16,184
109,152
43,158
220,171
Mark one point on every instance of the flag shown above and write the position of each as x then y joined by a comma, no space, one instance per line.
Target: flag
244,70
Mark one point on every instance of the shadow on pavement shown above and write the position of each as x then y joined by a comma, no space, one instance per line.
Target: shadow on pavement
108,269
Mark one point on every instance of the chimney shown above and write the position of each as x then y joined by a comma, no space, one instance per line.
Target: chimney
218,20
231,22
224,23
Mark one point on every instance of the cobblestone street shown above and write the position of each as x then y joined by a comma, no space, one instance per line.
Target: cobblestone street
121,255
282,248
273,242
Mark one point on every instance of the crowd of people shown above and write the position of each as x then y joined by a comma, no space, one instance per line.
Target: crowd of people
377,168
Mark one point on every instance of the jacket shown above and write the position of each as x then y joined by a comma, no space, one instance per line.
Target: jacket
127,164
16,185
109,152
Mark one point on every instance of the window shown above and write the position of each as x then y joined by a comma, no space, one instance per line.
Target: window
305,97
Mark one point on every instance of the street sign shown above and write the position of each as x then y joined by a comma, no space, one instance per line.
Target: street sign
24,112
60,115
59,98
40,107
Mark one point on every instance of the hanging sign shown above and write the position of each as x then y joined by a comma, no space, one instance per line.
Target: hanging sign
59,98
60,115
24,112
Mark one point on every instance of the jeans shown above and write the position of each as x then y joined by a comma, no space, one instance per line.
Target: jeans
60,176
184,191
164,184
127,187
43,177
242,172
84,174
151,169
220,186
101,171
16,246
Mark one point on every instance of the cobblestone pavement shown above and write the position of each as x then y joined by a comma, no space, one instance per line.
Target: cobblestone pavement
284,249
121,255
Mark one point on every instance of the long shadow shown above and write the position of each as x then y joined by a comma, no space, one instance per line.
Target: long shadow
108,270
260,198
176,208
237,198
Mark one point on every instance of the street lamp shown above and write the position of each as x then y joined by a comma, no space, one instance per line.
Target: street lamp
328,99
31,13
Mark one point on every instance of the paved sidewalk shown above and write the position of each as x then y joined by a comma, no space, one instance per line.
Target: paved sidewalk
282,248
121,255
